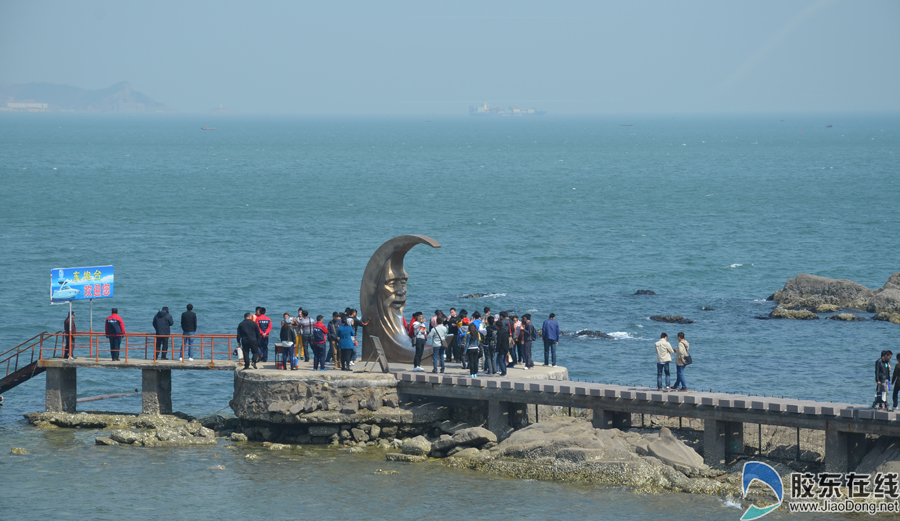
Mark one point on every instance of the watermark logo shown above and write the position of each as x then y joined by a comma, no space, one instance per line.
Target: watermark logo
756,471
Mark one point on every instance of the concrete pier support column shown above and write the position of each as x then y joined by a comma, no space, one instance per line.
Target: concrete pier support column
843,450
721,438
611,420
157,391
498,416
61,389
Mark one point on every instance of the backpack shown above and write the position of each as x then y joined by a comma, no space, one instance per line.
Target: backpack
318,335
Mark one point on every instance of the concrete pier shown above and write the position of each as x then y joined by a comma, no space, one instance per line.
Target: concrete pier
156,380
156,396
62,389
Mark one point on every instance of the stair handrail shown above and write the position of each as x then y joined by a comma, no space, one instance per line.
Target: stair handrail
13,353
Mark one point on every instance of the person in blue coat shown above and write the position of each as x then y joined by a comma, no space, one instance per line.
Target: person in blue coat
347,343
550,334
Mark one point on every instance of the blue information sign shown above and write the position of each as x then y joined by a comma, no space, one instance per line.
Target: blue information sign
68,284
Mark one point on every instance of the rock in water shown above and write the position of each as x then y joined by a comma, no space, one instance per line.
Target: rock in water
796,314
19,451
645,292
237,436
826,308
707,308
893,318
885,300
811,291
846,317
417,446
671,319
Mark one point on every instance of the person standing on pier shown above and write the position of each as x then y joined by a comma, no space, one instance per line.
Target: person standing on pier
247,335
895,380
318,340
550,334
188,328
680,364
69,330
347,344
162,324
265,328
882,379
288,336
306,325
420,330
438,340
663,357
115,328
530,335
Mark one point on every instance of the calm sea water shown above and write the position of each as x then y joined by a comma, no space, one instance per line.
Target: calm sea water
570,216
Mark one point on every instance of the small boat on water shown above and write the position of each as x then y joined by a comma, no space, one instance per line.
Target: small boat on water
204,127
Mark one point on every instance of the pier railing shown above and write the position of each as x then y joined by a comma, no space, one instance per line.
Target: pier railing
137,346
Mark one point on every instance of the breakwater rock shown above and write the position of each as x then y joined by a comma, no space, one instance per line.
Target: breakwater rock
811,291
671,319
185,435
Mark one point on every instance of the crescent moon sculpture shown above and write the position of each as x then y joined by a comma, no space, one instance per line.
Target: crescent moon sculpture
382,297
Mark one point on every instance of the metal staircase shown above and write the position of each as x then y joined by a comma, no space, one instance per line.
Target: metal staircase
20,363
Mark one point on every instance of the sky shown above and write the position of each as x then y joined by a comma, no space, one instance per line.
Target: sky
418,57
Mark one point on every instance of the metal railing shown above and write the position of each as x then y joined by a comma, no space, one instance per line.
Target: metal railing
138,346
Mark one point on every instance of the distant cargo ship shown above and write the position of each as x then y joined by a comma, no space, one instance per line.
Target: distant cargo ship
485,110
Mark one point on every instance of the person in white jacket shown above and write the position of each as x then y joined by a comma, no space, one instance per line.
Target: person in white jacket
663,357
436,338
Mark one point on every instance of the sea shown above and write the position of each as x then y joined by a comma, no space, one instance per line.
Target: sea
552,214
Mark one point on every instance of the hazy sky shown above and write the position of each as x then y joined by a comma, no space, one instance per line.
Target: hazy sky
440,57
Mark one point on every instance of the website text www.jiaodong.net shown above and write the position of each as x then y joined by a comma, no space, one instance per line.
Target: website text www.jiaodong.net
846,506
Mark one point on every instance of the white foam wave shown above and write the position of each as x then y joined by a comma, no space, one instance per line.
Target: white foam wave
736,265
622,335
731,502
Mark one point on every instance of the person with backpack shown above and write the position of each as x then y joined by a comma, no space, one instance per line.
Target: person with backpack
318,339
420,332
438,339
473,349
489,347
681,356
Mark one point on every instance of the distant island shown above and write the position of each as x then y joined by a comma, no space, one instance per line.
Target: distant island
50,97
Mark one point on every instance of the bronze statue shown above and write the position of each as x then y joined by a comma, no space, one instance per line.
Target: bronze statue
382,297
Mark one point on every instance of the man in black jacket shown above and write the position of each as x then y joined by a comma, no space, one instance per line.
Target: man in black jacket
162,324
188,328
882,380
247,333
530,336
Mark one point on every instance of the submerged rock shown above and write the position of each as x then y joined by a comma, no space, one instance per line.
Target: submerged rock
707,308
671,319
846,317
795,314
645,292
406,458
594,334
18,451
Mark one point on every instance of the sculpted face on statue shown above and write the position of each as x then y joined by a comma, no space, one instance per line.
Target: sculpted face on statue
382,298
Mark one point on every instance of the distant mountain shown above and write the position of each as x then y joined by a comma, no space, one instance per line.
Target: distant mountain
50,97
